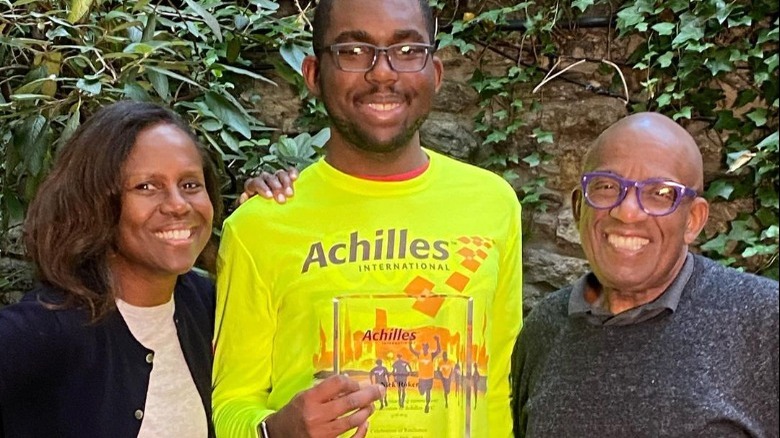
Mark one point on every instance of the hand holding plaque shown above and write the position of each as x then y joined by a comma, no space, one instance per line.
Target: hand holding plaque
333,406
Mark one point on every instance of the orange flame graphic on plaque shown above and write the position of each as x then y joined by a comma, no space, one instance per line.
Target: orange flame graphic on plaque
472,252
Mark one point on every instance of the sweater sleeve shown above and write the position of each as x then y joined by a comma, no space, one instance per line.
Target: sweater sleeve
507,318
30,336
243,334
519,395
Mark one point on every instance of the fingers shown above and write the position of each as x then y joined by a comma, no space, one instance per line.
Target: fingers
333,387
256,186
293,172
361,431
357,400
353,410
342,425
277,185
333,407
353,420
281,183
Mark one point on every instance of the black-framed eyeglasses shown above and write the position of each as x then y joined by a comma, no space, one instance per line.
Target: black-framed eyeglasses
655,196
361,57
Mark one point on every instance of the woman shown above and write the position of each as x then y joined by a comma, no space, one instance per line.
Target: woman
116,340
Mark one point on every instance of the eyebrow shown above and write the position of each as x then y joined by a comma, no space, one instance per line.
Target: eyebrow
363,36
147,175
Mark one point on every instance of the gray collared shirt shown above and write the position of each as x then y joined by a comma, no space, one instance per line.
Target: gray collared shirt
596,313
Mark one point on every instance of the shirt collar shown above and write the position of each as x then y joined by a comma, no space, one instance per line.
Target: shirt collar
596,314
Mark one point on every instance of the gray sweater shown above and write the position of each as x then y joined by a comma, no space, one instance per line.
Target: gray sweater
710,369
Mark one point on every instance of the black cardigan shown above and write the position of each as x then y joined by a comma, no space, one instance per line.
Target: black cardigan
63,377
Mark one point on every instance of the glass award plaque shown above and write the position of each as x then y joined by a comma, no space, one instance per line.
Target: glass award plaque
420,349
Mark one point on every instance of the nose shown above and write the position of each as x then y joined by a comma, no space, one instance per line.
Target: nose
175,203
629,210
381,71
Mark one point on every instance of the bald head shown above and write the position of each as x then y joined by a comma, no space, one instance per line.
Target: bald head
635,254
651,130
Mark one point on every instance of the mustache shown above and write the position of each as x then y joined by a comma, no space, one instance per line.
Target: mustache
382,90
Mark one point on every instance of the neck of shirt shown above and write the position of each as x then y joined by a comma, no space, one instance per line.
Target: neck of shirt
399,176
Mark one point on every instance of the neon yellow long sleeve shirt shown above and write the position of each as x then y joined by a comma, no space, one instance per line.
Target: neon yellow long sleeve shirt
453,230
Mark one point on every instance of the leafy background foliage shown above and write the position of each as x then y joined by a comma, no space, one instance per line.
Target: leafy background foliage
61,60
717,61
708,61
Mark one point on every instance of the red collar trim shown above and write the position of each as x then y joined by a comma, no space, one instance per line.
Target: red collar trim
399,176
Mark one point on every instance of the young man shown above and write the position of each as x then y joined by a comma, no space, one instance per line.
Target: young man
378,215
656,341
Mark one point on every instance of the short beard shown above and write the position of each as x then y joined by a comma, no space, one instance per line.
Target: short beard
364,141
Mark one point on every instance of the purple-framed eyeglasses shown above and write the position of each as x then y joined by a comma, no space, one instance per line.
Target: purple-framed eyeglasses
655,196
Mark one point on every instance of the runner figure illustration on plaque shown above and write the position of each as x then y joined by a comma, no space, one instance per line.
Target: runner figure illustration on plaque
445,369
379,374
425,369
401,371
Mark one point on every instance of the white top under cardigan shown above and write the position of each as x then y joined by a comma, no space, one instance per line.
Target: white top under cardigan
173,405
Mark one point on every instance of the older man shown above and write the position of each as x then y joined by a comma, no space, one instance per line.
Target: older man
656,341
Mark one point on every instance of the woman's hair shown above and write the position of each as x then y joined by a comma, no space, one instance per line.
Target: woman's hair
71,225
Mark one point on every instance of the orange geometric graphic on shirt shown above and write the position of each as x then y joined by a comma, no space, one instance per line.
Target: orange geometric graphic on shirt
473,251
423,289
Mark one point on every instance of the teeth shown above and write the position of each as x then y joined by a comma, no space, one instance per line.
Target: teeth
174,234
630,243
383,106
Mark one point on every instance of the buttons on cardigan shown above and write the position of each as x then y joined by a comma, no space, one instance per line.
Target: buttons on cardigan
139,414
150,358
